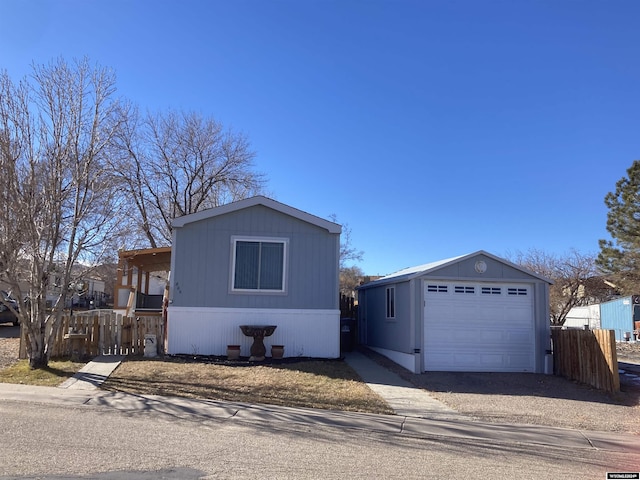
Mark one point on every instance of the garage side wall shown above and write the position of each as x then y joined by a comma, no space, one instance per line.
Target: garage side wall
543,327
382,332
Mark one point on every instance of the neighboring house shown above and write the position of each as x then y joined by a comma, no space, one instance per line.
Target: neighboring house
622,315
578,317
88,292
475,312
85,287
85,290
254,262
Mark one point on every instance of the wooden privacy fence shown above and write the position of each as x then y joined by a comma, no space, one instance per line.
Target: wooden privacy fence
106,333
348,307
588,356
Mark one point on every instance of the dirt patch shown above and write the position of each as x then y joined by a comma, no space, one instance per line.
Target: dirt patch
9,345
628,351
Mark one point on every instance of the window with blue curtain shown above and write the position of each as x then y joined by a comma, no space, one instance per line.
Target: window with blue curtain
259,265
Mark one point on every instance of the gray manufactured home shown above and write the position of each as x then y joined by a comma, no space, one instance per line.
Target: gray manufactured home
475,312
254,262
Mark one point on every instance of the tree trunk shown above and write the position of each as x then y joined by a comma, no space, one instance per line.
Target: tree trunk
38,361
38,357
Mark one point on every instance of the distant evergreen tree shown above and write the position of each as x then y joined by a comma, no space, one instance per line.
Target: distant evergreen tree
620,257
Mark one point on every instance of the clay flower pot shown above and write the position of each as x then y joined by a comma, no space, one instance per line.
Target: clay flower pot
233,352
277,351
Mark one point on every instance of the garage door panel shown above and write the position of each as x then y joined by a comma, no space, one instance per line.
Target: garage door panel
476,363
518,314
476,332
520,362
524,338
457,319
448,338
488,321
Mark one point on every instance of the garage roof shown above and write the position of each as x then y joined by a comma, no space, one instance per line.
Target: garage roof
410,273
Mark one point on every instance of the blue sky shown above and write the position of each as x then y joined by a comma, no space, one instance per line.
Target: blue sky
432,128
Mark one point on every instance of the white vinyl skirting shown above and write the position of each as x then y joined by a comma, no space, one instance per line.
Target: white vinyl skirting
208,331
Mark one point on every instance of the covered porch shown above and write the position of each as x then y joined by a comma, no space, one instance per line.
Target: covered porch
142,285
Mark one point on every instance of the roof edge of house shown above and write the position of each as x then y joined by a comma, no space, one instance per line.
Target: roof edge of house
331,227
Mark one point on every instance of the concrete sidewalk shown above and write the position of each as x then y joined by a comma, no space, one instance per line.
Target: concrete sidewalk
94,373
404,398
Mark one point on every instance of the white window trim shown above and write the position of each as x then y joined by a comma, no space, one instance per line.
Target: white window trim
285,262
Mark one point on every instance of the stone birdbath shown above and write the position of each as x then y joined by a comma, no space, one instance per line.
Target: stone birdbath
258,332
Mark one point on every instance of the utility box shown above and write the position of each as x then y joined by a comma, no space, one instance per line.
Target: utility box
619,315
150,346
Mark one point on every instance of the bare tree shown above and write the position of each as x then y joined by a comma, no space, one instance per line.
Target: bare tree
350,278
348,253
58,195
175,164
575,277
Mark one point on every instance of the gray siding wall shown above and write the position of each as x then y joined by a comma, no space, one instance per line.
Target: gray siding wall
393,334
202,256
542,324
495,271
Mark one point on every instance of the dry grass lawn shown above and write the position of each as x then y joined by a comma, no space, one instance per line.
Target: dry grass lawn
324,384
56,373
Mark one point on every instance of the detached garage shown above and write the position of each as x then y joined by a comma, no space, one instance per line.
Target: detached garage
474,313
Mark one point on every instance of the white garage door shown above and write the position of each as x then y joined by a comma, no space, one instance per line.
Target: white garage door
478,327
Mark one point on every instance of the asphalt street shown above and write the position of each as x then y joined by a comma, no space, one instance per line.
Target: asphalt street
55,433
80,431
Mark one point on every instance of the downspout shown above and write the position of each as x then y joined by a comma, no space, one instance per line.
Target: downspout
412,322
414,325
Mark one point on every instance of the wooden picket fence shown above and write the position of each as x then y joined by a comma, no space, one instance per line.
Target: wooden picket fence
106,333
588,356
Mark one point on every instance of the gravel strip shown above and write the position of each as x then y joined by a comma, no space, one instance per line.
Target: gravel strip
529,398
